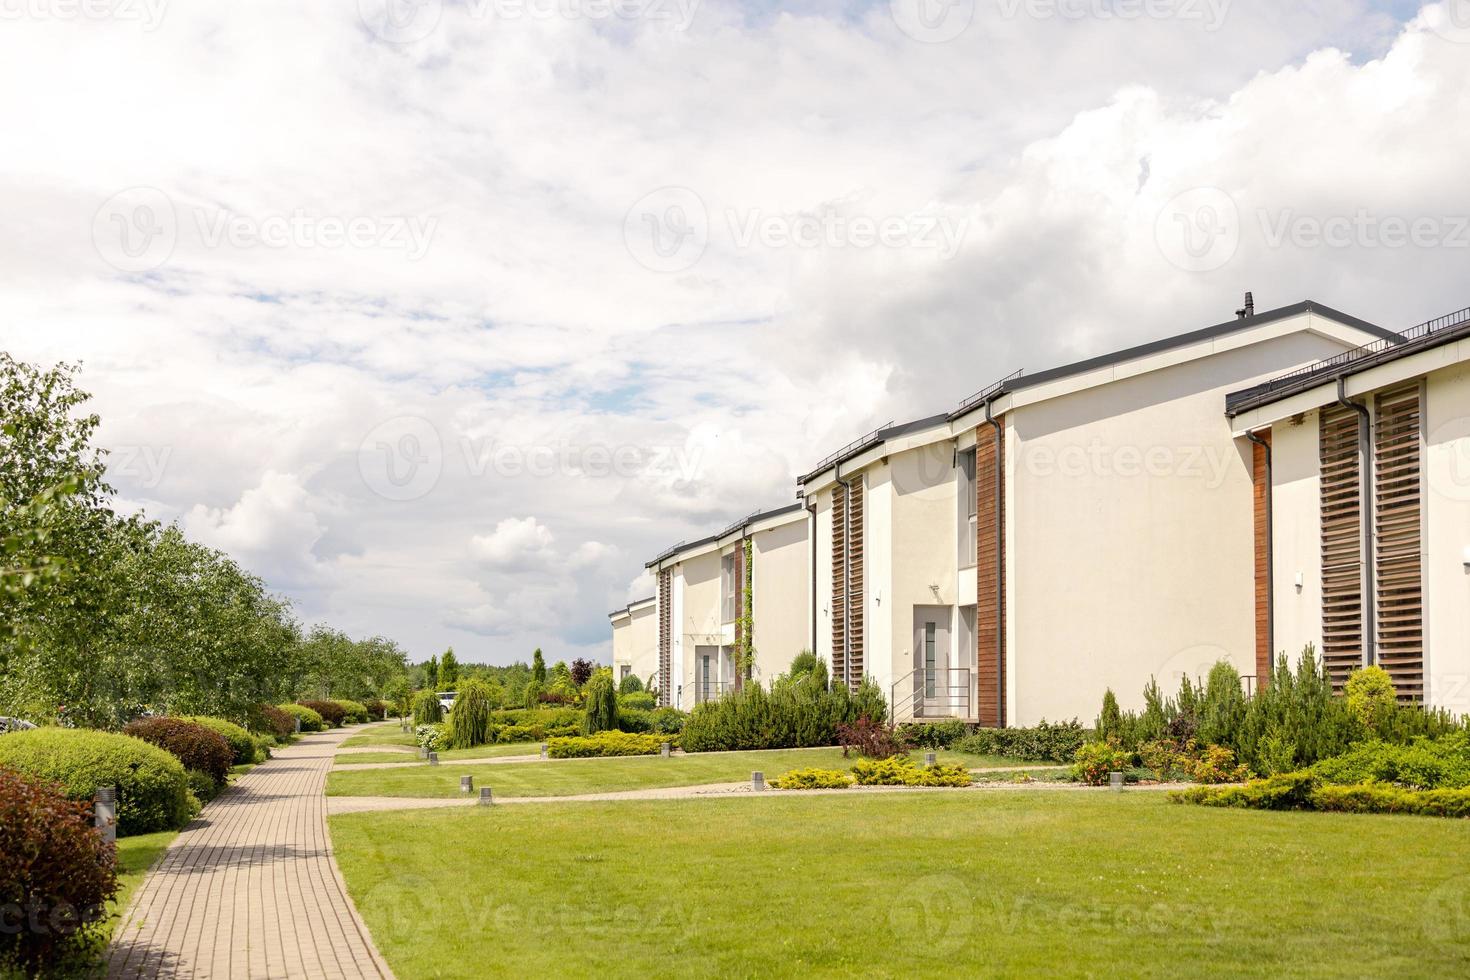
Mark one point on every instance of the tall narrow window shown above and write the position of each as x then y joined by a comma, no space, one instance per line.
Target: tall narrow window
929,661
1398,556
967,502
728,588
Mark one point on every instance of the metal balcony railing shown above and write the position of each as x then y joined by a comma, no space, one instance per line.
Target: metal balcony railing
926,693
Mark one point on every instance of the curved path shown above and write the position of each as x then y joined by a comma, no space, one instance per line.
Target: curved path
249,888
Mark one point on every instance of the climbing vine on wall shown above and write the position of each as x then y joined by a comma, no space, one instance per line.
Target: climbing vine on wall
745,649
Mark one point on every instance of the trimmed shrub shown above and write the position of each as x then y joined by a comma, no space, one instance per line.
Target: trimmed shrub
332,713
426,709
55,869
152,789
1373,798
1289,791
933,734
377,709
204,786
632,685
600,710
195,746
435,738
635,720
353,712
900,770
1442,763
1044,743
636,700
311,721
669,721
273,721
469,721
241,742
813,779
1095,760
607,744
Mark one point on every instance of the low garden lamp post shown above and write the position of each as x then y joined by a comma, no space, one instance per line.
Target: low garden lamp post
104,811
466,784
486,797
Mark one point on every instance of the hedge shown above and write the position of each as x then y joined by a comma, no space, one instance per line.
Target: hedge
607,744
241,742
152,788
794,714
311,721
198,748
813,779
353,712
332,713
55,869
272,721
900,770
1043,743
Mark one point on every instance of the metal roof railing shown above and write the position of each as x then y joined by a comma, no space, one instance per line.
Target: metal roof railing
986,394
857,443
1423,335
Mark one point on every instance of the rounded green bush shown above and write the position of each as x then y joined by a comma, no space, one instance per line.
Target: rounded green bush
242,743
310,720
152,788
353,712
331,712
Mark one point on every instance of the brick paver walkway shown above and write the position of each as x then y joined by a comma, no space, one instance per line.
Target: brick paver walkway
250,888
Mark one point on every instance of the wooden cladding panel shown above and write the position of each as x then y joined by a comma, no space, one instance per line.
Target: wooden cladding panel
1398,522
848,605
989,573
665,638
1341,495
1261,492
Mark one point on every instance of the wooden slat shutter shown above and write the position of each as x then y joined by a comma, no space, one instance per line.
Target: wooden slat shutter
1339,450
839,581
989,580
665,638
1262,519
1398,535
855,603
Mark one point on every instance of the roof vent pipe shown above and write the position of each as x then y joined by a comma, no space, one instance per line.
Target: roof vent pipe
1249,310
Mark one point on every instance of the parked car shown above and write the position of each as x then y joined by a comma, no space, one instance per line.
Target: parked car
446,699
13,724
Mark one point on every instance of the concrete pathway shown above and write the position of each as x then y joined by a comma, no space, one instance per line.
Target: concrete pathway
249,889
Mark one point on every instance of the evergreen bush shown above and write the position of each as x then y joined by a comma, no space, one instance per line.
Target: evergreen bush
600,711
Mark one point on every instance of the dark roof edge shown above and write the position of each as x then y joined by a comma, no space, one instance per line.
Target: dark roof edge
879,437
742,523
1179,340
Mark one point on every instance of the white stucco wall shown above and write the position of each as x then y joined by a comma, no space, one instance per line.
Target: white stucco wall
699,619
823,583
781,596
1131,539
635,642
1297,533
1447,497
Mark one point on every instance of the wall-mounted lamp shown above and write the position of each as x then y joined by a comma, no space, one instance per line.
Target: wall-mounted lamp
1299,581
1466,556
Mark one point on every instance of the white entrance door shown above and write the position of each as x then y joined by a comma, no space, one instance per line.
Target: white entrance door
936,697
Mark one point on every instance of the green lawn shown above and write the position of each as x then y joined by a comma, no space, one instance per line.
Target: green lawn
1005,883
449,755
135,855
380,734
570,777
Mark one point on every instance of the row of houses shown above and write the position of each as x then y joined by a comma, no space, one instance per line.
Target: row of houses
1293,477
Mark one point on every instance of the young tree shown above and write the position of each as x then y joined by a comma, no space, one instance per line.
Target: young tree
582,671
538,667
600,713
448,671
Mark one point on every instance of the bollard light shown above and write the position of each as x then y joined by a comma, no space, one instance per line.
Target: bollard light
543,750
929,758
433,758
757,781
663,750
466,784
1115,781
485,797
104,812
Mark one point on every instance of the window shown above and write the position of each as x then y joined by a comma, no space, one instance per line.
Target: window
929,660
728,591
627,669
967,529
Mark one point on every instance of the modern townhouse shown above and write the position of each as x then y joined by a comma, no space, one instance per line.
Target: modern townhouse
635,639
1060,533
740,595
1362,510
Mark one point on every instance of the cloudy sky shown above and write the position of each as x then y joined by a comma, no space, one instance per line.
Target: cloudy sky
444,317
